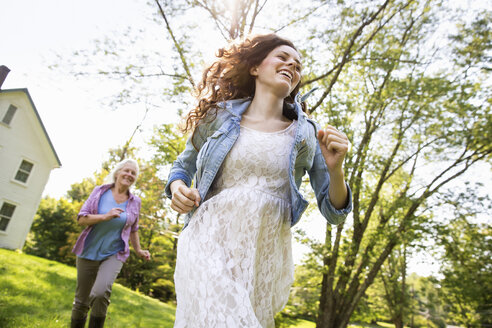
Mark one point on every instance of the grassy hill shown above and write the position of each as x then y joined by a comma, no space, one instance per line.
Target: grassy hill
36,292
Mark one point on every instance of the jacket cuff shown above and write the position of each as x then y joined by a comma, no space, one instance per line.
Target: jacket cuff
339,215
173,177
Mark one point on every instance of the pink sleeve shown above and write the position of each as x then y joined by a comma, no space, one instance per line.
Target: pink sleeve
89,206
139,205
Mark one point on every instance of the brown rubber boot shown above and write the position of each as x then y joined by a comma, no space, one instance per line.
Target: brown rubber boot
77,323
96,322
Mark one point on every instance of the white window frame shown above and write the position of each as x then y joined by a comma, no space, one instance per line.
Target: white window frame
23,159
4,201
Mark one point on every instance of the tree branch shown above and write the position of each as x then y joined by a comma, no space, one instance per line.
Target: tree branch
177,45
126,74
300,18
256,12
347,53
220,25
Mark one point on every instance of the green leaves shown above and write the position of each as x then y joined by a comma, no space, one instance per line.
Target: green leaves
466,259
54,230
473,42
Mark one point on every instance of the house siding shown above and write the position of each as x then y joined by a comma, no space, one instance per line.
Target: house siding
23,139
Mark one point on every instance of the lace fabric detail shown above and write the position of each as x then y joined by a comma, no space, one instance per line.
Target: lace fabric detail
234,266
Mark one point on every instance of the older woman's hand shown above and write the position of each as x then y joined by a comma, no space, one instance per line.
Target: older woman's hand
143,253
113,213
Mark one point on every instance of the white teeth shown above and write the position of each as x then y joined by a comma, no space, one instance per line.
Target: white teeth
286,73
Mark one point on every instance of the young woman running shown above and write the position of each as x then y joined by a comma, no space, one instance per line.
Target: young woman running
251,145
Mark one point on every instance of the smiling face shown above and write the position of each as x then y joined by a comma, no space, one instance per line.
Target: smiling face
280,71
126,176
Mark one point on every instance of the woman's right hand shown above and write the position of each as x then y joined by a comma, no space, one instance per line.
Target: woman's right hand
113,213
183,198
91,219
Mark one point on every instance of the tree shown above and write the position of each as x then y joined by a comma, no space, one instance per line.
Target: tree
404,118
54,223
398,302
395,287
427,307
80,191
466,287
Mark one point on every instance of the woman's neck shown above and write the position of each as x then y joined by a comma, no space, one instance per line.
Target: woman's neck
266,106
120,190
265,113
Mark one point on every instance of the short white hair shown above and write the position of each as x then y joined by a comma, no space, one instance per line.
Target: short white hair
111,178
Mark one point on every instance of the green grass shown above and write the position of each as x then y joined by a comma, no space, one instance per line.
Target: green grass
303,324
296,323
36,292
379,324
299,323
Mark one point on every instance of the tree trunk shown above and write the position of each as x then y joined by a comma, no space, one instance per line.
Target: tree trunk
398,321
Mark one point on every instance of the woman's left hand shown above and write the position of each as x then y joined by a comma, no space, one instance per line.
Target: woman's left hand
143,253
334,146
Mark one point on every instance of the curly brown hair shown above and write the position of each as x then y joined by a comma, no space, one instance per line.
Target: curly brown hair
229,76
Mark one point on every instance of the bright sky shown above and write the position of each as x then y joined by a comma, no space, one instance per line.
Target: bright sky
81,130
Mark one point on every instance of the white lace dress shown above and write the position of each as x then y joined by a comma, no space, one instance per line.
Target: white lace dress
234,265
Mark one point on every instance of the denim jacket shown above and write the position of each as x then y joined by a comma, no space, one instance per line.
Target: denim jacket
215,139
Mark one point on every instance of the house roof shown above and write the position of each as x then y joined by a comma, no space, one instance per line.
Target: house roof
26,92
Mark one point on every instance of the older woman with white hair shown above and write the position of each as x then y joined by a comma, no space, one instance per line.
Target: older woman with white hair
110,215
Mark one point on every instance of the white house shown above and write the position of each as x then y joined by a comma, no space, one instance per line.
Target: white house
27,157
